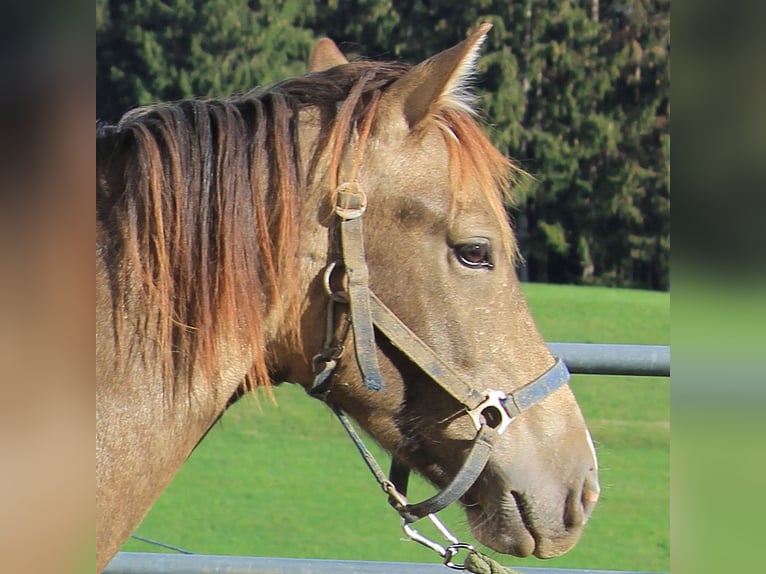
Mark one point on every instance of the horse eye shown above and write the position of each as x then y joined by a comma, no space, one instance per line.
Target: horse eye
475,254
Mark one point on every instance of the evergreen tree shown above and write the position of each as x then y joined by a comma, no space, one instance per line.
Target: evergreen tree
635,244
155,50
558,85
577,92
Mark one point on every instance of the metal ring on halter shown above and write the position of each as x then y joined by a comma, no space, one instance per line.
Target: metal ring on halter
493,411
337,296
453,551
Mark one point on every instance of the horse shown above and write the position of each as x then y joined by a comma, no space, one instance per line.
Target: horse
230,255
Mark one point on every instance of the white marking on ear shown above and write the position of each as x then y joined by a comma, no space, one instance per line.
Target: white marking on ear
439,83
457,91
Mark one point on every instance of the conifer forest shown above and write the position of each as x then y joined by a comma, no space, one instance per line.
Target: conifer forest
577,92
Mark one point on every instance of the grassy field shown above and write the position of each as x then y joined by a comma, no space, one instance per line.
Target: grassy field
284,480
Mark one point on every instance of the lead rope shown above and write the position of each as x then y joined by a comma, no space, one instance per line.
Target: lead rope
479,563
475,561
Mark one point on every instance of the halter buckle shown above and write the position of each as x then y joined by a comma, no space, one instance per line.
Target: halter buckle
492,412
351,201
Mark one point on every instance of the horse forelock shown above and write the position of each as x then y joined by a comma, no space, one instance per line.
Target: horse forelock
206,221
476,166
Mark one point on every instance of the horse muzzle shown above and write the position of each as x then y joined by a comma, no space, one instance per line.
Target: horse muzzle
533,516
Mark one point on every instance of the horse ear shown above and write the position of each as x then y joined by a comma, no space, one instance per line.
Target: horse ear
326,55
438,82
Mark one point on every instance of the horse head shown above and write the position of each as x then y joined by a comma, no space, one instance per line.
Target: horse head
440,255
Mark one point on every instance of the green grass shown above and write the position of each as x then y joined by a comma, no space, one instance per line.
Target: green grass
284,480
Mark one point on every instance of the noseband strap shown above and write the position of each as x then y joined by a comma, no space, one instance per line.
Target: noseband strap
486,437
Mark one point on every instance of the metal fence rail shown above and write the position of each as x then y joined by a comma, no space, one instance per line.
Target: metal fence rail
602,359
581,358
146,563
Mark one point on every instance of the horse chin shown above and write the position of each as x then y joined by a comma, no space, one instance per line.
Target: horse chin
508,529
503,531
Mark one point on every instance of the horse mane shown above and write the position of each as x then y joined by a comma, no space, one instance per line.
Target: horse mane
198,204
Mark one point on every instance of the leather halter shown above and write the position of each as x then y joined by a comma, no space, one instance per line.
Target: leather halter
491,411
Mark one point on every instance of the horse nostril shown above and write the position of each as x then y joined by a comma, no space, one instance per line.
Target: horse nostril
574,512
580,504
590,492
589,500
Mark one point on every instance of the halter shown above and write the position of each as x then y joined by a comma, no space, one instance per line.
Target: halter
491,411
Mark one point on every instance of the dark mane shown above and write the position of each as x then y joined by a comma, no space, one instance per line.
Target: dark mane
197,206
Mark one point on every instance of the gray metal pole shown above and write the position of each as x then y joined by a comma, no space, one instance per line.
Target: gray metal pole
603,359
147,563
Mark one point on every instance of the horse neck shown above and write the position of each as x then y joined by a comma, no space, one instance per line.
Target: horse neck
148,420
143,432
